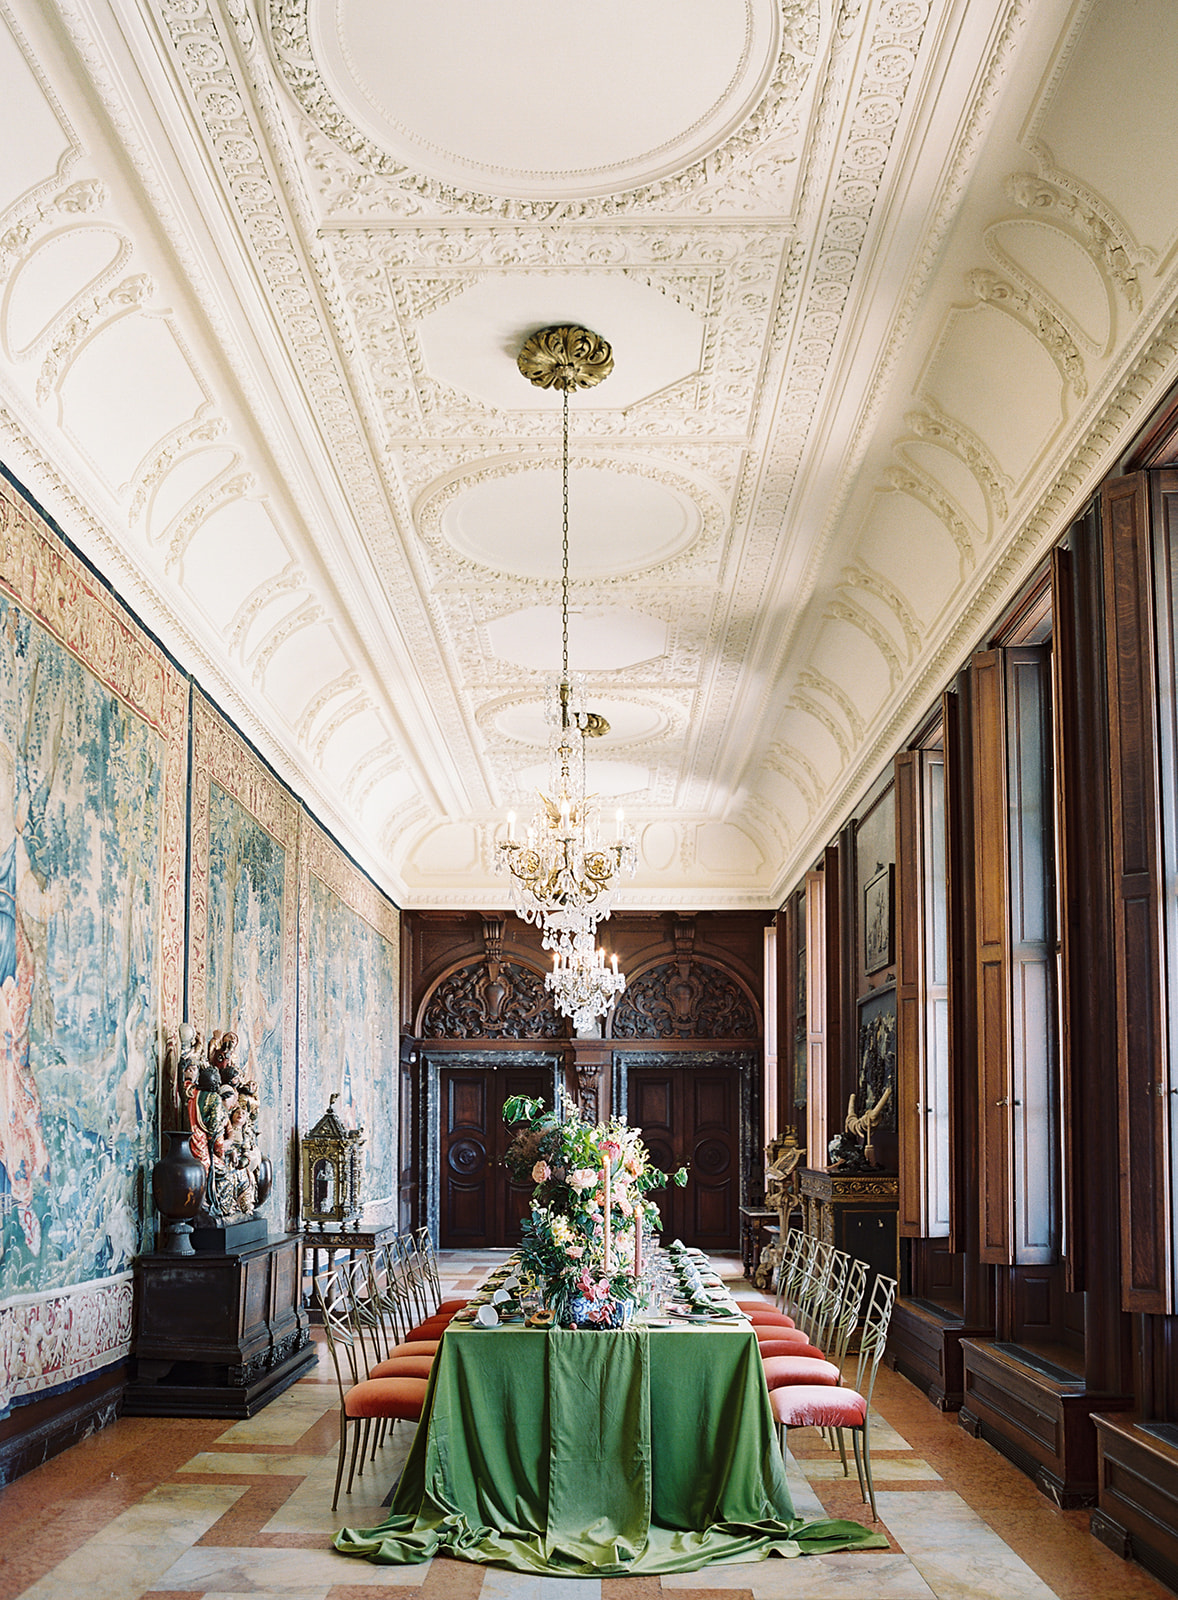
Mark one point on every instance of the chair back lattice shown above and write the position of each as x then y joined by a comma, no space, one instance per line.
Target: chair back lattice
429,1261
847,1317
830,1297
344,1344
813,1289
874,1335
799,1268
786,1271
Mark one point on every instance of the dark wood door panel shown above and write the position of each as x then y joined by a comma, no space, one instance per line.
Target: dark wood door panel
691,1115
480,1207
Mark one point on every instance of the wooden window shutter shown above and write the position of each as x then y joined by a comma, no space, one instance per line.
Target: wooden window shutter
1017,1067
1131,654
922,1043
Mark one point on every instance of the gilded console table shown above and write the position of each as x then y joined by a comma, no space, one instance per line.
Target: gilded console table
854,1212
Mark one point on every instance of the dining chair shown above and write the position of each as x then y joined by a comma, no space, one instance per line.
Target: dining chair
424,1246
844,1408
761,1309
362,1399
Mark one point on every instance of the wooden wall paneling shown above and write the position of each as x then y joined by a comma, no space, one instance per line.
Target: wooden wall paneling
910,1041
995,1156
1164,522
787,1004
816,1042
1130,655
840,959
1074,778
961,965
1089,1158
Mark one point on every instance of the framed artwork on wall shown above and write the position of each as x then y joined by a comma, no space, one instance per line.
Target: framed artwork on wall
877,921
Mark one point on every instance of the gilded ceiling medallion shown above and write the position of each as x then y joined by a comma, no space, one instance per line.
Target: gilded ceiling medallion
566,358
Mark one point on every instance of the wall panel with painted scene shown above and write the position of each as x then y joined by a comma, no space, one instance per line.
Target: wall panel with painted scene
93,724
348,998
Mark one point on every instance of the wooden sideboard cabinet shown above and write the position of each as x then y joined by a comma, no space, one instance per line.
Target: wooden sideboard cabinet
854,1213
218,1335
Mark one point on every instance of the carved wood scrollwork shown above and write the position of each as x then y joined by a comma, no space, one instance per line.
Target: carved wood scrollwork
492,1000
684,999
588,1087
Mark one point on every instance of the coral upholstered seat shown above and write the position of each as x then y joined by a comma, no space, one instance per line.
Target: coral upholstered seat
765,1317
789,1347
397,1398
818,1405
402,1367
777,1331
790,1370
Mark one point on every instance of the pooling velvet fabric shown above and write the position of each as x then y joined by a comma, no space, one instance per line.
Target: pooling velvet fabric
536,1451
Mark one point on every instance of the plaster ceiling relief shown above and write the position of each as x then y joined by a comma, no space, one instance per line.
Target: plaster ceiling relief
1116,71
872,273
624,519
467,135
613,638
471,341
1050,264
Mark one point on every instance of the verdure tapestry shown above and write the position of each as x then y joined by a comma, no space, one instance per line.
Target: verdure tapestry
348,1004
93,726
242,928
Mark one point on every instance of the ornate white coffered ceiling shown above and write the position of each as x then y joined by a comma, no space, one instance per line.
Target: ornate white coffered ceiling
888,282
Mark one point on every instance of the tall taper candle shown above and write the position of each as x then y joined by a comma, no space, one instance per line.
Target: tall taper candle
608,1264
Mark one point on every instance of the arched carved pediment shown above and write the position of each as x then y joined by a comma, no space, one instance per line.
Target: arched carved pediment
685,1000
491,1000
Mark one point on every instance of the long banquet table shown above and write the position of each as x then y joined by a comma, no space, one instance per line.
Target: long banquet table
586,1453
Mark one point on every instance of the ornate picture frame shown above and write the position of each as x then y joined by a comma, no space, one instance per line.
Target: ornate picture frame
878,921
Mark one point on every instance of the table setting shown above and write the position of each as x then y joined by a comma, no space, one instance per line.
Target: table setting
599,1407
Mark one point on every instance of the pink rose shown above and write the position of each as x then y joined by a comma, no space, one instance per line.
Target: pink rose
575,1251
541,1172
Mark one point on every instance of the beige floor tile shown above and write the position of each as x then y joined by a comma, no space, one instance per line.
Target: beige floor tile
960,1556
212,1569
499,1584
179,1512
818,1468
252,1461
111,1571
871,1575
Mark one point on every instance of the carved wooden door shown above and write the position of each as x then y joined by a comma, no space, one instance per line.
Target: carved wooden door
480,1207
691,1116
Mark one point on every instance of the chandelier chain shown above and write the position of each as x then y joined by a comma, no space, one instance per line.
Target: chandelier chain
564,549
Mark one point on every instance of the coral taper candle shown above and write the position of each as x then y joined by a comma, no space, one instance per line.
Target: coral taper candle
608,1266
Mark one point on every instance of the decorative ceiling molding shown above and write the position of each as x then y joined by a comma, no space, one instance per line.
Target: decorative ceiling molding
739,162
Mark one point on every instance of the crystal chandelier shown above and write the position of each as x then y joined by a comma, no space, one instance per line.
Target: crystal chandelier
563,874
583,985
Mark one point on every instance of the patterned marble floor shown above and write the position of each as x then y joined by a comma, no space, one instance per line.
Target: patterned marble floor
153,1509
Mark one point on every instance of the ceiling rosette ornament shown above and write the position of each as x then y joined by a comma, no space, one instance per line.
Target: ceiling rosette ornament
684,104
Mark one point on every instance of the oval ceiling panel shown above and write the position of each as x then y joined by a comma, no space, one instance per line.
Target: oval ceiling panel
619,522
599,640
536,99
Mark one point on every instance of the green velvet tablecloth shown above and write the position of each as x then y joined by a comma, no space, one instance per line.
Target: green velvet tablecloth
597,1454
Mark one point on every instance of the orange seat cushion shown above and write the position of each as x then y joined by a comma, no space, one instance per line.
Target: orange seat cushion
774,1330
781,1370
431,1328
802,1405
386,1397
449,1307
416,1347
402,1367
789,1347
762,1314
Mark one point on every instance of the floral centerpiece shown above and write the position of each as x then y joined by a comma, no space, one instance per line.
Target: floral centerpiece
583,1242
